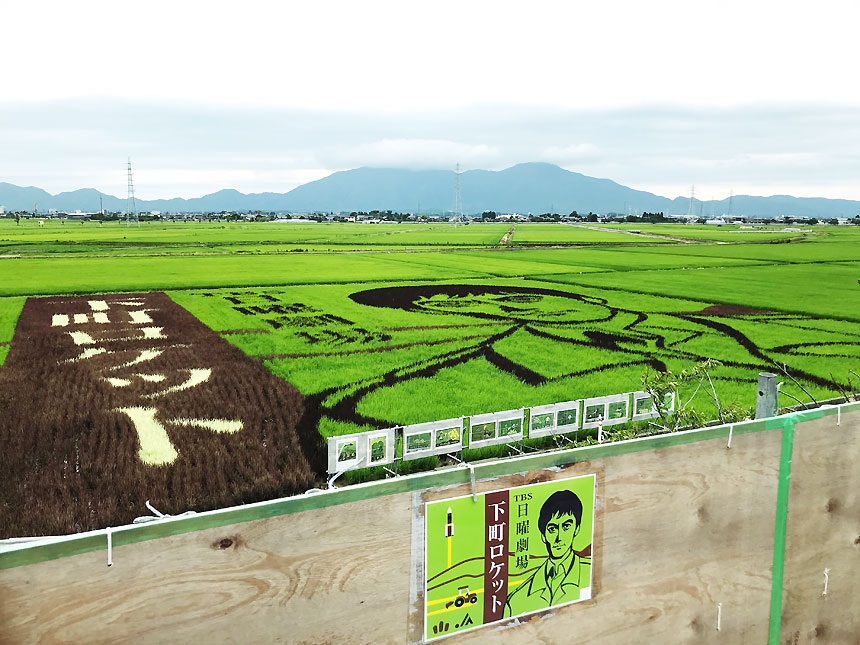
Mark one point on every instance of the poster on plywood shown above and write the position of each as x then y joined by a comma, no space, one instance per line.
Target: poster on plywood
507,553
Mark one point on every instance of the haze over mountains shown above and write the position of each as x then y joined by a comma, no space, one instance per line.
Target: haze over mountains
525,188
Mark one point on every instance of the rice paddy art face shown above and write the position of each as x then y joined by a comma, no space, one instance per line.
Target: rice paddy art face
395,355
513,304
550,340
522,307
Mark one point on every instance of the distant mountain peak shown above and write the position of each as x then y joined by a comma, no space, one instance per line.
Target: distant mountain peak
530,187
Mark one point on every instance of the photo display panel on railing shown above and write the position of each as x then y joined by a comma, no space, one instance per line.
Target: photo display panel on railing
606,410
495,428
554,418
670,401
432,438
360,450
379,447
643,406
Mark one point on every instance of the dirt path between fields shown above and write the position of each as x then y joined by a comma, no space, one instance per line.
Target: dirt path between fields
682,240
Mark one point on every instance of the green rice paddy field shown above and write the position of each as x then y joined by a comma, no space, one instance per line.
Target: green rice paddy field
388,324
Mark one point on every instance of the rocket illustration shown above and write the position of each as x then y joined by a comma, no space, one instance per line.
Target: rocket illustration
449,534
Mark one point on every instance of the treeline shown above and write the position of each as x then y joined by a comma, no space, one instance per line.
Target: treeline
648,218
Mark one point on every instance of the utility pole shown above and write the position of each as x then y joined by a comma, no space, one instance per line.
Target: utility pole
457,206
130,205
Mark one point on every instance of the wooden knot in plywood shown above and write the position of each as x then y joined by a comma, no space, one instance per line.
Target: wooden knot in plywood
227,542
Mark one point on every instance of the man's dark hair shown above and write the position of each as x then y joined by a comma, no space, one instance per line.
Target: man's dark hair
561,502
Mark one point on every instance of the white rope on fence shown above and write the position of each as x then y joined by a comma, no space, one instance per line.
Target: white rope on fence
109,533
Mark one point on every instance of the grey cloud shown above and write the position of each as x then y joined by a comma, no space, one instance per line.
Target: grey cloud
639,147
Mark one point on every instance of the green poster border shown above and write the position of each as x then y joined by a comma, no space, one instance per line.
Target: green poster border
779,533
479,508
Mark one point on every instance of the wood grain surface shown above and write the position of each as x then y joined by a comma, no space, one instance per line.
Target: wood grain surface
335,575
678,530
823,534
684,543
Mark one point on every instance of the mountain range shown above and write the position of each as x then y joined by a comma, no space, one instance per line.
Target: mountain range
524,188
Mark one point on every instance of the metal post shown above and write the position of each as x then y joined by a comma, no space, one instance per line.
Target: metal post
767,402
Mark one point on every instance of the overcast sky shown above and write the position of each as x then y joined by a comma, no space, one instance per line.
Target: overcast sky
754,97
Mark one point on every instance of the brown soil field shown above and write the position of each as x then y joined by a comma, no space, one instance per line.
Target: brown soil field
81,374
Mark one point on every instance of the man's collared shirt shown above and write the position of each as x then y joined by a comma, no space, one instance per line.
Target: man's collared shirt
554,583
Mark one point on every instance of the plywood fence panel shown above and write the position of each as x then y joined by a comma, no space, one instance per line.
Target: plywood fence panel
823,533
333,575
683,553
683,543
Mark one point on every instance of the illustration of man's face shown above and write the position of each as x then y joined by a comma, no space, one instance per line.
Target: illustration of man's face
558,535
517,307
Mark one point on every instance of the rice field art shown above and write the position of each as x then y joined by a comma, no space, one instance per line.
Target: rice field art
109,402
369,358
200,399
211,364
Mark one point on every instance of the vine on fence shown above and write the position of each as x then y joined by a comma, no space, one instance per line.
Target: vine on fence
665,387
